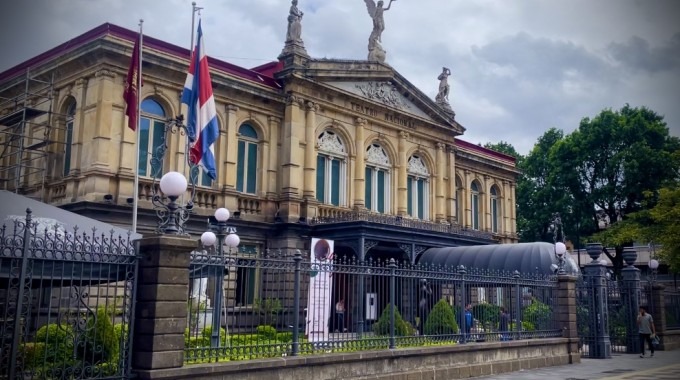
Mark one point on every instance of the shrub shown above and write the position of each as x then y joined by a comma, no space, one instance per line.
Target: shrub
487,314
401,327
284,337
539,314
267,332
441,320
57,341
33,354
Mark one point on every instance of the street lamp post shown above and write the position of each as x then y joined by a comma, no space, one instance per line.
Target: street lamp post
222,235
560,247
651,278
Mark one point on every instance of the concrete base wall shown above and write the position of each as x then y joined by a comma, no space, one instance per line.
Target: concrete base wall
452,362
670,340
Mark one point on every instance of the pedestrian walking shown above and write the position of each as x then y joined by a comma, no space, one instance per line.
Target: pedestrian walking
646,330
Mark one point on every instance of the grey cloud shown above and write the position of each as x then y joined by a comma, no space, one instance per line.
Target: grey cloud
638,54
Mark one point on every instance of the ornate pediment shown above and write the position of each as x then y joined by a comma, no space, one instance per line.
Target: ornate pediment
383,92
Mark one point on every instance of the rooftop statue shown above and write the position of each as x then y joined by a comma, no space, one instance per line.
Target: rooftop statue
375,50
443,95
294,33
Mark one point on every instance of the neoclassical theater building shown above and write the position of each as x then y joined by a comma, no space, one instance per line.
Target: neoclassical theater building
347,150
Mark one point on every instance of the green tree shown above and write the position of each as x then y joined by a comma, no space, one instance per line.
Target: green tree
608,164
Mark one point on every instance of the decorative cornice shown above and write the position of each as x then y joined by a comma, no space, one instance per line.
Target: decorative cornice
105,73
292,99
441,146
81,82
312,107
359,121
231,108
383,92
404,135
274,119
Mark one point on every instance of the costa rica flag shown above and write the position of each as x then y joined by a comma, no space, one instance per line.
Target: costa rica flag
202,115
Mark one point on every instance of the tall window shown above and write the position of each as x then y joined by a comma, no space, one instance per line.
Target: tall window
418,188
474,205
246,276
246,169
68,141
459,200
494,209
377,179
151,129
331,169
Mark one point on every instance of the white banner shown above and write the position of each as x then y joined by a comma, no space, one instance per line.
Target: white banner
319,296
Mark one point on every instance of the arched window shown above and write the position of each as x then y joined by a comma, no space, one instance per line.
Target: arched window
474,205
151,129
377,179
418,188
494,209
68,141
331,169
246,167
459,200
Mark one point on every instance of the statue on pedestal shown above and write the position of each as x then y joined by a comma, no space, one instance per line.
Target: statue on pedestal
375,50
294,33
442,98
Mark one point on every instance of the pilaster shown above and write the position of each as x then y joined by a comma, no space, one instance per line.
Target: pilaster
273,163
451,191
292,160
360,165
440,167
466,199
231,157
402,208
309,191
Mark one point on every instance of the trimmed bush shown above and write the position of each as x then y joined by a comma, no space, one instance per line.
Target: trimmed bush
58,344
539,314
267,332
401,327
487,314
441,320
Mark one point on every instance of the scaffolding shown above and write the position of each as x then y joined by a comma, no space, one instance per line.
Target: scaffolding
28,134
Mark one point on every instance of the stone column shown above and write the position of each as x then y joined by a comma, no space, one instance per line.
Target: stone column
161,310
566,314
231,155
273,164
402,205
484,200
513,209
451,191
467,209
360,165
657,305
630,294
104,82
506,210
309,191
440,168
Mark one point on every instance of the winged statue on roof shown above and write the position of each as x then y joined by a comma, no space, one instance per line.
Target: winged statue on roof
376,11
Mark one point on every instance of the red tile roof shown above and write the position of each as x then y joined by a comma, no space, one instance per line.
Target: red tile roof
487,151
262,77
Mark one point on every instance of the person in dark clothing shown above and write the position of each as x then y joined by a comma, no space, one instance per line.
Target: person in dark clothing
503,323
647,331
469,320
424,304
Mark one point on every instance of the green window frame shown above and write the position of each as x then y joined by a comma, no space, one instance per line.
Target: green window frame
494,210
377,189
247,277
417,189
68,141
474,205
151,130
330,172
246,167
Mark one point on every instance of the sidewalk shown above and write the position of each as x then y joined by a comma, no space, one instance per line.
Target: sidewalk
665,365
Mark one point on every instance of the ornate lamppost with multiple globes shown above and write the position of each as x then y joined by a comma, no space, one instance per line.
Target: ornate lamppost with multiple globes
221,235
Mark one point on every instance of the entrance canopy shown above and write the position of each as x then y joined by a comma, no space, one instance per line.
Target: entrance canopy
523,257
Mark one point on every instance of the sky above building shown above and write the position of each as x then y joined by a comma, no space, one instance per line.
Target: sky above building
519,67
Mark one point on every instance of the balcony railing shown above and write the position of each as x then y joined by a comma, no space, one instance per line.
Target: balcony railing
335,215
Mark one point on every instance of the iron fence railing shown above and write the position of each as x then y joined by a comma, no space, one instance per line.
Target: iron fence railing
281,303
66,302
672,310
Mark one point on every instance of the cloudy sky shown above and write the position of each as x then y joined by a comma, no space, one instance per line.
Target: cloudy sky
519,66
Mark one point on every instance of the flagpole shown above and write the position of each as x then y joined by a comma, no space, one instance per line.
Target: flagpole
137,132
194,9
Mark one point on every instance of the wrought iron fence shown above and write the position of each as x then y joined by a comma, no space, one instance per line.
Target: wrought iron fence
672,307
66,302
281,303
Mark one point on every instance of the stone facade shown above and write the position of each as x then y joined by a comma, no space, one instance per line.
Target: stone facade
466,194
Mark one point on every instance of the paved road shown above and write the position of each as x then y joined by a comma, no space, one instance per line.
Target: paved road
665,365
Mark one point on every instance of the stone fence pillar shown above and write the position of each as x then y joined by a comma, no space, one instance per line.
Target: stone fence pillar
566,314
162,296
656,304
630,293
